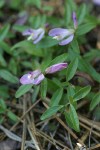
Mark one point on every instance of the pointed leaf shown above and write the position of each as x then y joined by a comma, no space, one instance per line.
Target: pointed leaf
6,75
43,88
95,101
56,97
4,31
50,112
22,90
71,70
59,59
74,118
82,93
86,67
85,28
81,13
12,116
47,42
29,47
68,119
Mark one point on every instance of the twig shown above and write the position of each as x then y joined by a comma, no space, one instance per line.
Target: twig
94,132
33,131
33,139
24,124
13,127
69,130
83,138
91,133
94,147
15,137
64,125
89,122
48,138
70,141
49,145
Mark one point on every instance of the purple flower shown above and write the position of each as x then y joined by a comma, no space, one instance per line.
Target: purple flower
64,36
22,18
97,2
55,68
35,35
34,77
74,20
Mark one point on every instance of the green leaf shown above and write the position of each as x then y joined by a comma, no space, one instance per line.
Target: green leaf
89,56
12,116
82,93
22,90
72,4
4,31
68,13
74,118
2,61
68,119
74,45
59,59
43,88
1,119
86,67
50,112
56,97
52,85
96,113
29,47
5,47
85,28
2,104
57,82
13,65
4,91
20,28
71,70
37,3
46,61
2,3
47,42
35,93
6,75
82,13
95,101
70,91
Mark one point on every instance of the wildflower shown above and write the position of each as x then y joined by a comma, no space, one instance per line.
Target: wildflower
34,77
22,18
97,2
74,20
64,36
55,68
35,35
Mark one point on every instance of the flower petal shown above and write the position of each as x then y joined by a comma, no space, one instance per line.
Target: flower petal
39,37
28,32
66,41
35,73
38,79
22,18
97,2
29,77
25,79
55,68
58,31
